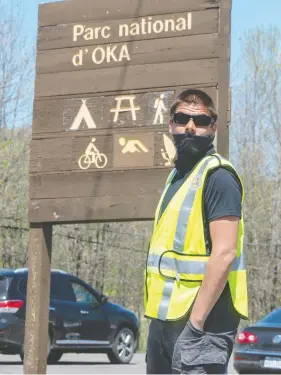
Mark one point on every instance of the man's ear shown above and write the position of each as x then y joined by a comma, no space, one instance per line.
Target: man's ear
214,126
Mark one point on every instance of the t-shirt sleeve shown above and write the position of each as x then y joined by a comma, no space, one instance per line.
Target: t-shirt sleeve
223,195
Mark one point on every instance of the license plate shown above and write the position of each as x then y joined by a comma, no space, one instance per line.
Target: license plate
271,362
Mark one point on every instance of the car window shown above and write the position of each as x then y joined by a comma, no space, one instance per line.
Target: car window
273,317
22,286
83,295
61,288
5,282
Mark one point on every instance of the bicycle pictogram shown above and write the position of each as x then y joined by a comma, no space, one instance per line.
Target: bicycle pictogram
92,156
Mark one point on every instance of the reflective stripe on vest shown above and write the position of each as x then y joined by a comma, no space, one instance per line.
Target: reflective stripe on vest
181,267
179,239
185,211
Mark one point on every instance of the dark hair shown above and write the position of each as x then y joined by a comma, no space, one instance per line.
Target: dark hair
195,96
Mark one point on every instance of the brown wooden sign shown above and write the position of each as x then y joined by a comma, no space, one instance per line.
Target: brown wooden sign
107,74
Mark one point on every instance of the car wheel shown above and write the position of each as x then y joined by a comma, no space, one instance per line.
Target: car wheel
53,357
123,347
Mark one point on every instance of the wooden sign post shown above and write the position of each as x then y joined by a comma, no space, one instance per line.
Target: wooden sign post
107,73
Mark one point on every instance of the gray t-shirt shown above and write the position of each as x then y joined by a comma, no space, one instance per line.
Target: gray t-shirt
222,195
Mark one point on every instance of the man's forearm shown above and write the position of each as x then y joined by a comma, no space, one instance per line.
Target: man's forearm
215,279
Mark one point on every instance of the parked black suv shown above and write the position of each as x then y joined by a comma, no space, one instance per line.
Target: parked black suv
80,319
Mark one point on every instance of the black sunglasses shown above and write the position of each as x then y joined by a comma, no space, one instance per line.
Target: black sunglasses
199,120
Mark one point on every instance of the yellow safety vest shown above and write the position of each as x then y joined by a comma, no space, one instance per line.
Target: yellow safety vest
177,256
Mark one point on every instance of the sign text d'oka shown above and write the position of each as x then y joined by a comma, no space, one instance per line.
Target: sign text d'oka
119,52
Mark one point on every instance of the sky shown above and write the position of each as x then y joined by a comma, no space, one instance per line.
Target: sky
246,14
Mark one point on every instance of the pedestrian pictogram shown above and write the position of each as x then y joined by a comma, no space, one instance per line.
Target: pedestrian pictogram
160,107
132,146
119,108
92,156
83,114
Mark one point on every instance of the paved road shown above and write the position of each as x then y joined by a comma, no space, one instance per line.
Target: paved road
81,364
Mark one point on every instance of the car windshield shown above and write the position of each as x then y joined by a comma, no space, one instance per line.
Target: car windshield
4,286
273,317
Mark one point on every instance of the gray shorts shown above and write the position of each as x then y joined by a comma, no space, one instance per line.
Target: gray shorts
198,352
178,347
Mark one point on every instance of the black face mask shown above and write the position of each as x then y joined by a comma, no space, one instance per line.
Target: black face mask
191,148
